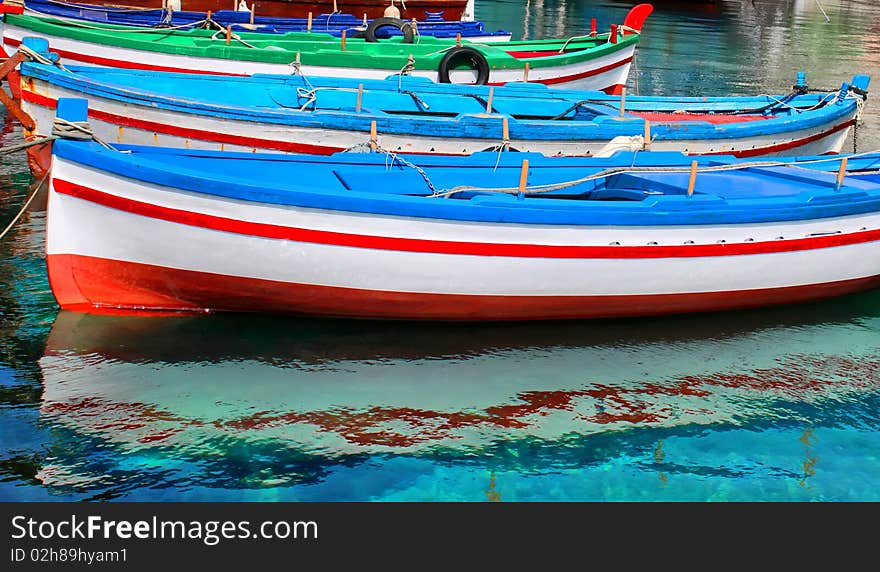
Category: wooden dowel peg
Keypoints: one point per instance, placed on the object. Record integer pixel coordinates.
(360, 98)
(365, 20)
(505, 134)
(841, 173)
(342, 44)
(489, 100)
(228, 33)
(622, 101)
(309, 23)
(592, 26)
(208, 17)
(526, 72)
(458, 39)
(523, 175)
(251, 17)
(613, 36)
(693, 179)
(374, 137)
(647, 144)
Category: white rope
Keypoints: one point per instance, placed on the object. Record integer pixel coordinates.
(799, 109)
(40, 58)
(26, 205)
(311, 94)
(565, 45)
(819, 4)
(235, 37)
(407, 69)
(34, 55)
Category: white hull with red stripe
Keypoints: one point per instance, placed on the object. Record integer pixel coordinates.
(601, 73)
(150, 247)
(120, 122)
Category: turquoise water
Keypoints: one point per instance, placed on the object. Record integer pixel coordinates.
(777, 404)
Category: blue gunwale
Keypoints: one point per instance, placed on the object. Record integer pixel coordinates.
(222, 96)
(780, 194)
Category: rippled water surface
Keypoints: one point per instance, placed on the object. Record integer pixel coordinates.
(778, 404)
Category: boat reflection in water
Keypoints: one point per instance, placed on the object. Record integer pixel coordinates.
(216, 403)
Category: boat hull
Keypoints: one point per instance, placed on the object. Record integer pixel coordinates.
(142, 124)
(606, 71)
(151, 248)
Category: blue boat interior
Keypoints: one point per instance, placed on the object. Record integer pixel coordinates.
(406, 104)
(625, 189)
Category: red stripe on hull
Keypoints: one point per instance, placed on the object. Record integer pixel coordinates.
(297, 147)
(108, 62)
(715, 119)
(580, 75)
(189, 133)
(87, 284)
(783, 146)
(263, 230)
(39, 157)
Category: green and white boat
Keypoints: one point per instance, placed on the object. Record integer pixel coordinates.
(594, 61)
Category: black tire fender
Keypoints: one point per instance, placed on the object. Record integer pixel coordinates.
(402, 25)
(477, 60)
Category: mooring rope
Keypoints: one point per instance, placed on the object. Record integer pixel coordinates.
(394, 158)
(80, 131)
(235, 37)
(24, 208)
(311, 94)
(9, 149)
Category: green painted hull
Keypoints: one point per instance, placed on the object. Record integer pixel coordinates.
(324, 49)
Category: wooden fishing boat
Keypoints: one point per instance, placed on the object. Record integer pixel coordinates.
(491, 236)
(600, 61)
(420, 9)
(241, 20)
(413, 115)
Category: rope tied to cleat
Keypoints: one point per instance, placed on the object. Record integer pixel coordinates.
(35, 56)
(391, 157)
(231, 36)
(311, 97)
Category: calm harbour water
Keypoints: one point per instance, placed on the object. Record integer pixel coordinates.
(780, 404)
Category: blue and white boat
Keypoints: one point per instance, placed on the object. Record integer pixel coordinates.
(511, 236)
(295, 113)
